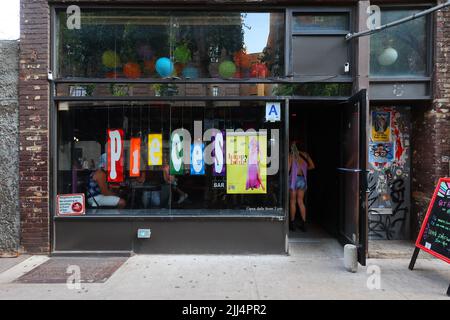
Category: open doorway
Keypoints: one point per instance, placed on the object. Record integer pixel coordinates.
(316, 128)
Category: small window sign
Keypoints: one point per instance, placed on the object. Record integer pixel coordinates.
(273, 111)
(71, 204)
(144, 233)
(77, 91)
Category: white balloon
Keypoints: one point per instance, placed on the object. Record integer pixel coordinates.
(388, 57)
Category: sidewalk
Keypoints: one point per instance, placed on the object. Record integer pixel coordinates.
(313, 270)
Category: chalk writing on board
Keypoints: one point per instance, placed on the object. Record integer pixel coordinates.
(435, 234)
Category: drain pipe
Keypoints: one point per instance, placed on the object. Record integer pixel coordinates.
(395, 23)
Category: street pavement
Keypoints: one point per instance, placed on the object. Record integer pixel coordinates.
(312, 270)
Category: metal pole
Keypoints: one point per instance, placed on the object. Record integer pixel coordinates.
(414, 258)
(395, 23)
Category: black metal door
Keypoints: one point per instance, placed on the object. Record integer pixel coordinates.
(353, 175)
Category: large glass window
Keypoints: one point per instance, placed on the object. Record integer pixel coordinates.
(173, 158)
(401, 50)
(158, 44)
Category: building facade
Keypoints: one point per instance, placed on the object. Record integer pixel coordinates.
(183, 91)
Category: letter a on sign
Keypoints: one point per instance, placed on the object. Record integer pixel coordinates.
(135, 157)
(273, 111)
(115, 155)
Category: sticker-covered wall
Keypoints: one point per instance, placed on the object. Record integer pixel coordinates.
(389, 173)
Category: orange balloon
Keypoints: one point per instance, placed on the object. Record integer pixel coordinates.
(259, 70)
(132, 70)
(242, 59)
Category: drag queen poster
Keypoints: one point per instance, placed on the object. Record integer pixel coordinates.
(246, 162)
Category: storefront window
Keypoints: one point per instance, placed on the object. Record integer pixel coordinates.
(173, 158)
(401, 50)
(160, 44)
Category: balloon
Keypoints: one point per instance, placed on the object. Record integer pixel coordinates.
(227, 69)
(182, 54)
(242, 59)
(190, 72)
(388, 57)
(259, 70)
(110, 59)
(132, 70)
(164, 67)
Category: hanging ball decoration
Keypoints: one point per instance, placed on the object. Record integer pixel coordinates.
(388, 57)
(227, 69)
(242, 59)
(110, 59)
(182, 54)
(164, 67)
(190, 73)
(145, 52)
(132, 70)
(259, 70)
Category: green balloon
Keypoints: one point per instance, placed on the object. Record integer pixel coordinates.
(227, 69)
(182, 54)
(110, 59)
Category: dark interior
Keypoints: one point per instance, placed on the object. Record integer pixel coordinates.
(318, 127)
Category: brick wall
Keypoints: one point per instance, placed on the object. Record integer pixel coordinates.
(33, 126)
(431, 126)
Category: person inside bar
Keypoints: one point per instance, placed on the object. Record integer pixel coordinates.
(173, 182)
(99, 192)
(299, 164)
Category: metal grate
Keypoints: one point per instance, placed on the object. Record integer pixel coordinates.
(56, 270)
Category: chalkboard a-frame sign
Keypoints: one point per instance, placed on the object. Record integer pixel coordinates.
(434, 236)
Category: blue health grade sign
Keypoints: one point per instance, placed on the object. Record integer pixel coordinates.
(273, 111)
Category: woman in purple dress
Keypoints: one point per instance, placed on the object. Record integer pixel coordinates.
(299, 164)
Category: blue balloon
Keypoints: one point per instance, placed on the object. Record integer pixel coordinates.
(164, 67)
(190, 72)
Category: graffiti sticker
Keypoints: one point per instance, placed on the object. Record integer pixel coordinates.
(381, 126)
(381, 152)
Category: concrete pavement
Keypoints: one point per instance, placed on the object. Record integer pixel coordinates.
(313, 270)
